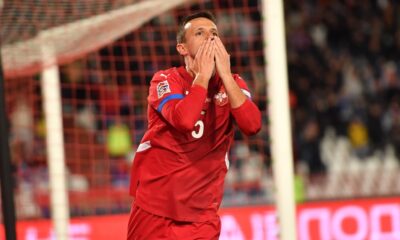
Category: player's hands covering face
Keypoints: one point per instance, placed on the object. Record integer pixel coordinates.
(222, 58)
(203, 63)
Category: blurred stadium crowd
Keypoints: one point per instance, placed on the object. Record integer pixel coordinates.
(344, 77)
(344, 74)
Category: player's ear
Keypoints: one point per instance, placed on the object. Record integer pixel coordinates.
(181, 48)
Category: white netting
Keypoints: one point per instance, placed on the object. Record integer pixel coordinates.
(69, 29)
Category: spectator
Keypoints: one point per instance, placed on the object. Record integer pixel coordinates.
(309, 147)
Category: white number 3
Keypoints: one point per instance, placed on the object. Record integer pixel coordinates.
(200, 132)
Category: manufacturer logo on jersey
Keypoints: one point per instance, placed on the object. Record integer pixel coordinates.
(221, 98)
(163, 88)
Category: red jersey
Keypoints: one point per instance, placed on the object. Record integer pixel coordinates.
(179, 168)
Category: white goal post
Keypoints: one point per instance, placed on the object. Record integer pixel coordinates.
(279, 114)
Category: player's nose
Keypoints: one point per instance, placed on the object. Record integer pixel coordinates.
(209, 35)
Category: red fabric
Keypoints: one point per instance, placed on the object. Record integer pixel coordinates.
(248, 125)
(247, 115)
(183, 114)
(181, 176)
(146, 226)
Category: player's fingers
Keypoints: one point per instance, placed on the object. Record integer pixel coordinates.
(219, 42)
(214, 48)
(207, 48)
(218, 51)
(211, 48)
(220, 45)
(200, 50)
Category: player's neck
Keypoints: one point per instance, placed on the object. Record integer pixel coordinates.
(188, 70)
(192, 74)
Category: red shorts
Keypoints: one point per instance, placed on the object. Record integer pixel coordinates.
(146, 226)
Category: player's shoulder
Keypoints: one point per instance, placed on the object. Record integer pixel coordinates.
(170, 73)
(236, 76)
(242, 84)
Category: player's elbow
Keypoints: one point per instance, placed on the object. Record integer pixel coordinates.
(185, 126)
(252, 127)
(252, 131)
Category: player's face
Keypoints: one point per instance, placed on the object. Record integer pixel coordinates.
(197, 31)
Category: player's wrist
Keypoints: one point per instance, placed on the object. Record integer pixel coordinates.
(226, 76)
(201, 80)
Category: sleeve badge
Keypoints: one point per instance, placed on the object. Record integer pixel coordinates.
(163, 88)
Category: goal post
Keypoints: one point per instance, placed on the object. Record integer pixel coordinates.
(6, 180)
(279, 113)
(7, 199)
(52, 108)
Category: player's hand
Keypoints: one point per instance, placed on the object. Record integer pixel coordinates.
(222, 59)
(202, 66)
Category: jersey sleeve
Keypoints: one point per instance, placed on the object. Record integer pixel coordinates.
(247, 115)
(242, 84)
(180, 108)
(164, 87)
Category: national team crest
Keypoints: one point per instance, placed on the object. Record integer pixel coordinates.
(221, 98)
(163, 88)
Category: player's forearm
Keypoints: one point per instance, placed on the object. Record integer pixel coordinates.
(201, 80)
(184, 113)
(248, 117)
(235, 94)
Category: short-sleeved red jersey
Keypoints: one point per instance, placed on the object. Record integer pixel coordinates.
(178, 170)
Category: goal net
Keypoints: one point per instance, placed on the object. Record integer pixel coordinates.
(107, 52)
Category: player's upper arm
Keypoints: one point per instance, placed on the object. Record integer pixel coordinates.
(168, 98)
(247, 116)
(164, 87)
